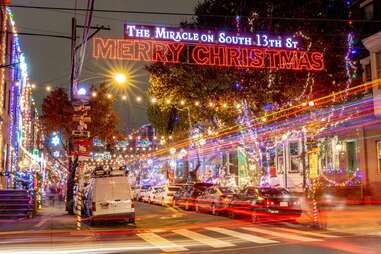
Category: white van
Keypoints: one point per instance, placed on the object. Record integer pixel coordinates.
(109, 197)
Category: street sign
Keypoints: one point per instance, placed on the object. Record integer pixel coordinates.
(80, 134)
(81, 108)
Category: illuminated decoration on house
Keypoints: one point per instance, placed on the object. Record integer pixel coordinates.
(55, 139)
(23, 126)
(207, 54)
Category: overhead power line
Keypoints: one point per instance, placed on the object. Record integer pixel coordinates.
(41, 35)
(186, 14)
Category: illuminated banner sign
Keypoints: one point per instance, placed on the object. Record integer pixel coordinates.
(160, 44)
(195, 36)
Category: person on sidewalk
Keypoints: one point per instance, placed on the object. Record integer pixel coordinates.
(53, 194)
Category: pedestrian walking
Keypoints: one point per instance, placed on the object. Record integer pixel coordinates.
(53, 194)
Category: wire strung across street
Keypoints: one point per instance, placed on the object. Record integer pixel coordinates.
(184, 14)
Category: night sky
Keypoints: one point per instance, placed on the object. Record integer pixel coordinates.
(49, 58)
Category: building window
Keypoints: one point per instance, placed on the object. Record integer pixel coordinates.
(378, 64)
(368, 72)
(295, 159)
(368, 11)
(352, 162)
(379, 156)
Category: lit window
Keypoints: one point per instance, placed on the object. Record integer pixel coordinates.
(378, 64)
(368, 11)
(379, 156)
(368, 72)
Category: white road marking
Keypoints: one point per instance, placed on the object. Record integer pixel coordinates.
(243, 236)
(160, 242)
(322, 235)
(207, 240)
(40, 223)
(282, 235)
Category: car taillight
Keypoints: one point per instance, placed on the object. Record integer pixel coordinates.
(269, 203)
(94, 206)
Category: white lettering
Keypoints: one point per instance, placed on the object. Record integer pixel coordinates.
(130, 30)
(207, 37)
(160, 33)
(236, 40)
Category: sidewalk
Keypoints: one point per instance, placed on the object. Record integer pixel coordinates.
(355, 219)
(352, 219)
(48, 218)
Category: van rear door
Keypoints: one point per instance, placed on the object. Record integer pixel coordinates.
(113, 196)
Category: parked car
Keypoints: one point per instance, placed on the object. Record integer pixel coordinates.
(265, 203)
(148, 194)
(215, 200)
(164, 195)
(109, 197)
(140, 192)
(186, 197)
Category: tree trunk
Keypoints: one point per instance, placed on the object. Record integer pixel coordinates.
(70, 186)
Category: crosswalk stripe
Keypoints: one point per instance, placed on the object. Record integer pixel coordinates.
(322, 235)
(160, 242)
(283, 235)
(207, 240)
(244, 236)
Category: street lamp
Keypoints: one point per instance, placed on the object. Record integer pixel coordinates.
(120, 78)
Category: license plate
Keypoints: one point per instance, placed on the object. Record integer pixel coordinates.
(283, 204)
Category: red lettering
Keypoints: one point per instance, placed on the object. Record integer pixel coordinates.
(204, 54)
(216, 55)
(104, 48)
(126, 49)
(256, 58)
(175, 49)
(143, 51)
(317, 62)
(158, 52)
(232, 57)
(200, 55)
(287, 60)
(304, 62)
(272, 56)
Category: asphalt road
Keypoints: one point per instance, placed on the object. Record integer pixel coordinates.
(160, 230)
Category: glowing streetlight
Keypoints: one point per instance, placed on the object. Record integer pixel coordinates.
(120, 78)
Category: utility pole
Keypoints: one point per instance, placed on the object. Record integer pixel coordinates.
(79, 139)
(73, 53)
